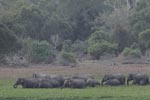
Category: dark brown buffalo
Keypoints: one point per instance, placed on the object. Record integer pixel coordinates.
(113, 82)
(138, 78)
(83, 77)
(74, 83)
(119, 77)
(27, 82)
(92, 82)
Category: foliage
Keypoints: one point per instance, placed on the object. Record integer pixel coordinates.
(99, 44)
(67, 45)
(40, 51)
(80, 47)
(145, 38)
(99, 49)
(130, 52)
(140, 20)
(122, 37)
(66, 58)
(98, 36)
(37, 51)
(142, 4)
(8, 40)
(116, 23)
(61, 23)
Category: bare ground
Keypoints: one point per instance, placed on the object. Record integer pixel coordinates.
(94, 68)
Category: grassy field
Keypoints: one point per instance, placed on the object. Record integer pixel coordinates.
(7, 92)
(8, 76)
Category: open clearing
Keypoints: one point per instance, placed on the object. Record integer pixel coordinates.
(8, 76)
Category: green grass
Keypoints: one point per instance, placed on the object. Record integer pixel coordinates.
(7, 92)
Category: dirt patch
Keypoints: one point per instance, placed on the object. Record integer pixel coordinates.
(93, 68)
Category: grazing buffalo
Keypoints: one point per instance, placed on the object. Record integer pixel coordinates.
(138, 78)
(92, 82)
(27, 82)
(45, 84)
(41, 76)
(119, 77)
(113, 82)
(59, 78)
(37, 83)
(49, 83)
(84, 77)
(74, 83)
(55, 83)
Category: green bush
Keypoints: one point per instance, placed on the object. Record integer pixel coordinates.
(99, 49)
(145, 38)
(66, 58)
(129, 52)
(37, 51)
(98, 36)
(67, 45)
(80, 47)
(100, 44)
(40, 51)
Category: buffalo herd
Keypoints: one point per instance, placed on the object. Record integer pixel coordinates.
(79, 81)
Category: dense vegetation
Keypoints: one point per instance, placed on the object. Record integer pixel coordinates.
(45, 30)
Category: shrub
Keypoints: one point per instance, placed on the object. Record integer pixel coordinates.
(66, 58)
(80, 47)
(67, 45)
(100, 44)
(98, 36)
(40, 51)
(37, 51)
(129, 52)
(144, 38)
(99, 49)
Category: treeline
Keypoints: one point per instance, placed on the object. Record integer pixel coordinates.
(45, 30)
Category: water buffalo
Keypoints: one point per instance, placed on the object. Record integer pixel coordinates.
(138, 78)
(84, 77)
(37, 75)
(59, 78)
(120, 77)
(45, 84)
(74, 83)
(37, 83)
(113, 82)
(92, 82)
(49, 83)
(27, 82)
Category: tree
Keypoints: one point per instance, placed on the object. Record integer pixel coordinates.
(8, 40)
(100, 43)
(122, 37)
(37, 51)
(79, 47)
(66, 46)
(81, 17)
(140, 19)
(144, 38)
(117, 23)
(33, 19)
